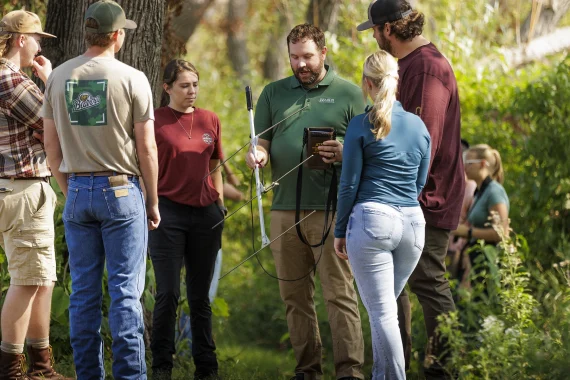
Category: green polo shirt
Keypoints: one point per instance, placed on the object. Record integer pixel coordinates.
(332, 103)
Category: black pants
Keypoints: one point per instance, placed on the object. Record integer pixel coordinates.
(184, 236)
(429, 283)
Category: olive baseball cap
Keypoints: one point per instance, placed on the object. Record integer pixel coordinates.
(383, 11)
(23, 22)
(110, 17)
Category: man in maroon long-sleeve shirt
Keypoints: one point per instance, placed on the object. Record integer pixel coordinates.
(427, 88)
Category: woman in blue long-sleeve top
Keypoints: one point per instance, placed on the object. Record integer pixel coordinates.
(380, 226)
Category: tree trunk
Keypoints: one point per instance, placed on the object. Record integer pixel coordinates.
(141, 48)
(276, 55)
(236, 37)
(324, 14)
(545, 19)
(180, 21)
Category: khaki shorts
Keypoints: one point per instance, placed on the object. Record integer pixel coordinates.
(26, 224)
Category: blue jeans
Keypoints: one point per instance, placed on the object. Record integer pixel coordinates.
(384, 244)
(106, 225)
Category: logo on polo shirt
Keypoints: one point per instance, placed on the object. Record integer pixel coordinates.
(326, 100)
(207, 138)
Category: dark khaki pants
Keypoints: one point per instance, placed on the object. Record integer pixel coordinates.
(428, 282)
(293, 259)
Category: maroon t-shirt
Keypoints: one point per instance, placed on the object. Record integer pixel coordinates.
(428, 88)
(182, 162)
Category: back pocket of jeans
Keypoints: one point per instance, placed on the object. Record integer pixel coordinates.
(419, 234)
(377, 224)
(122, 201)
(69, 208)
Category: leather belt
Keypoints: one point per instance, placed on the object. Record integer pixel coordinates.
(108, 173)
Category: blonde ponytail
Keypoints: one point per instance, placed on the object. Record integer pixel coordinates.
(493, 159)
(498, 174)
(382, 70)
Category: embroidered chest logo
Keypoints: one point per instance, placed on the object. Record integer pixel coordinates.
(84, 101)
(326, 100)
(207, 138)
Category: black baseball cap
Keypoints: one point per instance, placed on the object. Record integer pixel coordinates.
(383, 11)
(110, 17)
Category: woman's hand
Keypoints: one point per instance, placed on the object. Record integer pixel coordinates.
(340, 248)
(461, 231)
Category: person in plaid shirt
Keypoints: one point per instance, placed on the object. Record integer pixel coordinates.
(27, 202)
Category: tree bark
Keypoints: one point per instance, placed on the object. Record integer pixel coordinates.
(180, 21)
(276, 53)
(237, 38)
(324, 14)
(539, 48)
(550, 14)
(141, 49)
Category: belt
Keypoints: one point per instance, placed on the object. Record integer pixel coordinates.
(107, 173)
(45, 179)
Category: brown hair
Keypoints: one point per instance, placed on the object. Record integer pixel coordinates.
(97, 39)
(408, 27)
(171, 71)
(382, 69)
(493, 159)
(306, 32)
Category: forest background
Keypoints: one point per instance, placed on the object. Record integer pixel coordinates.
(513, 71)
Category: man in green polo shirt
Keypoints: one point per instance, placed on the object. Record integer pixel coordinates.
(324, 100)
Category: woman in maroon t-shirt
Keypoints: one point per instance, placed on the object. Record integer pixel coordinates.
(190, 203)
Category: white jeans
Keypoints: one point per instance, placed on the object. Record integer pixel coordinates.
(384, 244)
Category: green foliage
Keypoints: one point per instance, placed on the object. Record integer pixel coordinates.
(515, 324)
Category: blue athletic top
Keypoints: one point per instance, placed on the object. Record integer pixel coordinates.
(392, 170)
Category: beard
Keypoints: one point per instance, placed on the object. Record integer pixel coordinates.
(385, 44)
(314, 73)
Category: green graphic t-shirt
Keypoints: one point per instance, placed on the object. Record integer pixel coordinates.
(95, 103)
(332, 103)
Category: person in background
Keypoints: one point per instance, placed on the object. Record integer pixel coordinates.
(457, 264)
(380, 227)
(490, 204)
(189, 144)
(27, 202)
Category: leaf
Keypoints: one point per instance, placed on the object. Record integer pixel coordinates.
(148, 300)
(220, 308)
(59, 302)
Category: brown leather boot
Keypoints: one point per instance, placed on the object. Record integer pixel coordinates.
(12, 366)
(41, 361)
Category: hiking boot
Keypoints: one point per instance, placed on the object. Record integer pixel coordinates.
(12, 366)
(41, 362)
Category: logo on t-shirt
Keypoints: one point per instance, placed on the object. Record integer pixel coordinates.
(86, 102)
(326, 100)
(207, 138)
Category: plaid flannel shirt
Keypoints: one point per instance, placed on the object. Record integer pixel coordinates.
(21, 154)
